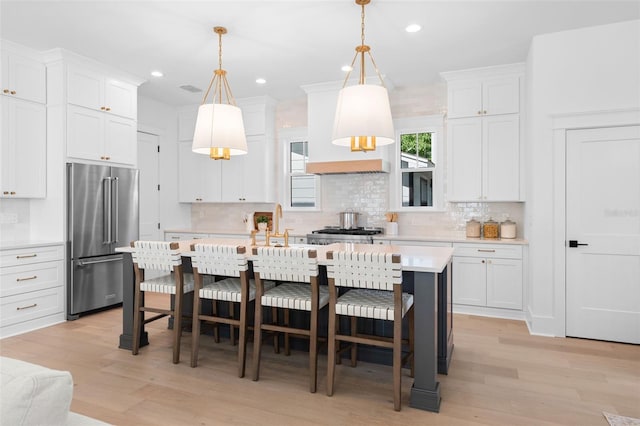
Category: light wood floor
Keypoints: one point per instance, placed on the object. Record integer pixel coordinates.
(500, 375)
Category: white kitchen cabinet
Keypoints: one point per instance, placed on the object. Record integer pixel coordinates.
(23, 77)
(484, 158)
(199, 176)
(93, 135)
(32, 290)
(490, 96)
(488, 275)
(182, 236)
(100, 92)
(250, 177)
(23, 149)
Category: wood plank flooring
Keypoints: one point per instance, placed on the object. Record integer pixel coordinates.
(500, 375)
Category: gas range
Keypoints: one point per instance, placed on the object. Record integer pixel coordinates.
(331, 234)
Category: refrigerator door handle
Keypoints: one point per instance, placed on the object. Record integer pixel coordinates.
(93, 262)
(106, 210)
(115, 197)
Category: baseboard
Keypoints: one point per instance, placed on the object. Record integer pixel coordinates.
(489, 312)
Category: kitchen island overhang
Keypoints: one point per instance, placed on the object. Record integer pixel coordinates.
(428, 267)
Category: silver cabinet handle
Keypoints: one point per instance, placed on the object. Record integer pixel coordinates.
(20, 308)
(487, 250)
(25, 256)
(27, 279)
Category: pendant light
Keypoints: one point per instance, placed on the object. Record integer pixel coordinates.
(219, 127)
(363, 114)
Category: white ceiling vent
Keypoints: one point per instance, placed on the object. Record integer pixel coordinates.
(190, 88)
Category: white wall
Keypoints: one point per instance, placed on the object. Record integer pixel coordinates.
(586, 70)
(161, 119)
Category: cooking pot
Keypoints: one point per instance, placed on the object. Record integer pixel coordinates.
(348, 220)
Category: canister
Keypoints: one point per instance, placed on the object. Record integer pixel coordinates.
(508, 229)
(490, 229)
(473, 229)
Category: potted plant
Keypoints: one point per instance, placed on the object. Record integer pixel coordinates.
(263, 222)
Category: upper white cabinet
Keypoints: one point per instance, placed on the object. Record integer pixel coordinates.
(250, 177)
(23, 149)
(23, 123)
(199, 176)
(487, 97)
(98, 108)
(100, 92)
(484, 134)
(23, 76)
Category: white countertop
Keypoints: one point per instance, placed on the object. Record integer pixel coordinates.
(421, 238)
(414, 258)
(22, 244)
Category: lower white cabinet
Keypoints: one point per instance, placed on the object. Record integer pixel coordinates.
(32, 291)
(181, 236)
(488, 275)
(23, 149)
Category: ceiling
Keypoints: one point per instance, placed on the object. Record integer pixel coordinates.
(296, 42)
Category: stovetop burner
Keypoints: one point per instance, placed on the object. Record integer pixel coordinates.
(355, 231)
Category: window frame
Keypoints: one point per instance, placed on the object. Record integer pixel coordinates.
(433, 124)
(287, 136)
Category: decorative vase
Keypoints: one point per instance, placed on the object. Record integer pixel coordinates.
(262, 226)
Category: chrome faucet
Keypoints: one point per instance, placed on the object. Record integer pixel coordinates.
(277, 217)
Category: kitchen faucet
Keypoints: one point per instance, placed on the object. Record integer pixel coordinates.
(277, 217)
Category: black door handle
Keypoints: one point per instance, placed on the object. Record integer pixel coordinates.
(575, 243)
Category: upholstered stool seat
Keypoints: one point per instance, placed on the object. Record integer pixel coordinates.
(166, 284)
(376, 304)
(294, 296)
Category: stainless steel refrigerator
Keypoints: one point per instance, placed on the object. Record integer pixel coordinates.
(102, 214)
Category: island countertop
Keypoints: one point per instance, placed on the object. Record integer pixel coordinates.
(414, 258)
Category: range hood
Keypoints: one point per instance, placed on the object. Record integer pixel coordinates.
(351, 166)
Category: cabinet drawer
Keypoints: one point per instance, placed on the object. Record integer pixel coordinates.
(179, 236)
(31, 255)
(27, 278)
(488, 251)
(29, 306)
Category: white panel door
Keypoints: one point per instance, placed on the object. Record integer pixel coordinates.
(504, 283)
(148, 158)
(28, 133)
(26, 78)
(85, 88)
(465, 159)
(470, 282)
(603, 220)
(120, 140)
(121, 98)
(233, 178)
(85, 133)
(501, 158)
(501, 96)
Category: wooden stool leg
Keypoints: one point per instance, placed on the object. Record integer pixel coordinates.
(354, 346)
(313, 349)
(397, 363)
(257, 339)
(195, 325)
(276, 335)
(331, 345)
(216, 326)
(177, 327)
(287, 349)
(337, 343)
(232, 328)
(242, 339)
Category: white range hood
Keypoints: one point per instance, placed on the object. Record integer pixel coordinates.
(326, 158)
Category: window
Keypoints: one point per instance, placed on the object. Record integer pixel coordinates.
(301, 188)
(419, 163)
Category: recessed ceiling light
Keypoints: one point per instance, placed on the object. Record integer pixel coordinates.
(261, 80)
(346, 68)
(413, 28)
(157, 73)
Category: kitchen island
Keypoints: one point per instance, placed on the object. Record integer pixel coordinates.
(427, 267)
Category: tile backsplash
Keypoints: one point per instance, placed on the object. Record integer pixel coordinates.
(363, 193)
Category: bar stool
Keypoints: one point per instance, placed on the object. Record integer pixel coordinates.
(160, 256)
(299, 268)
(375, 282)
(222, 261)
